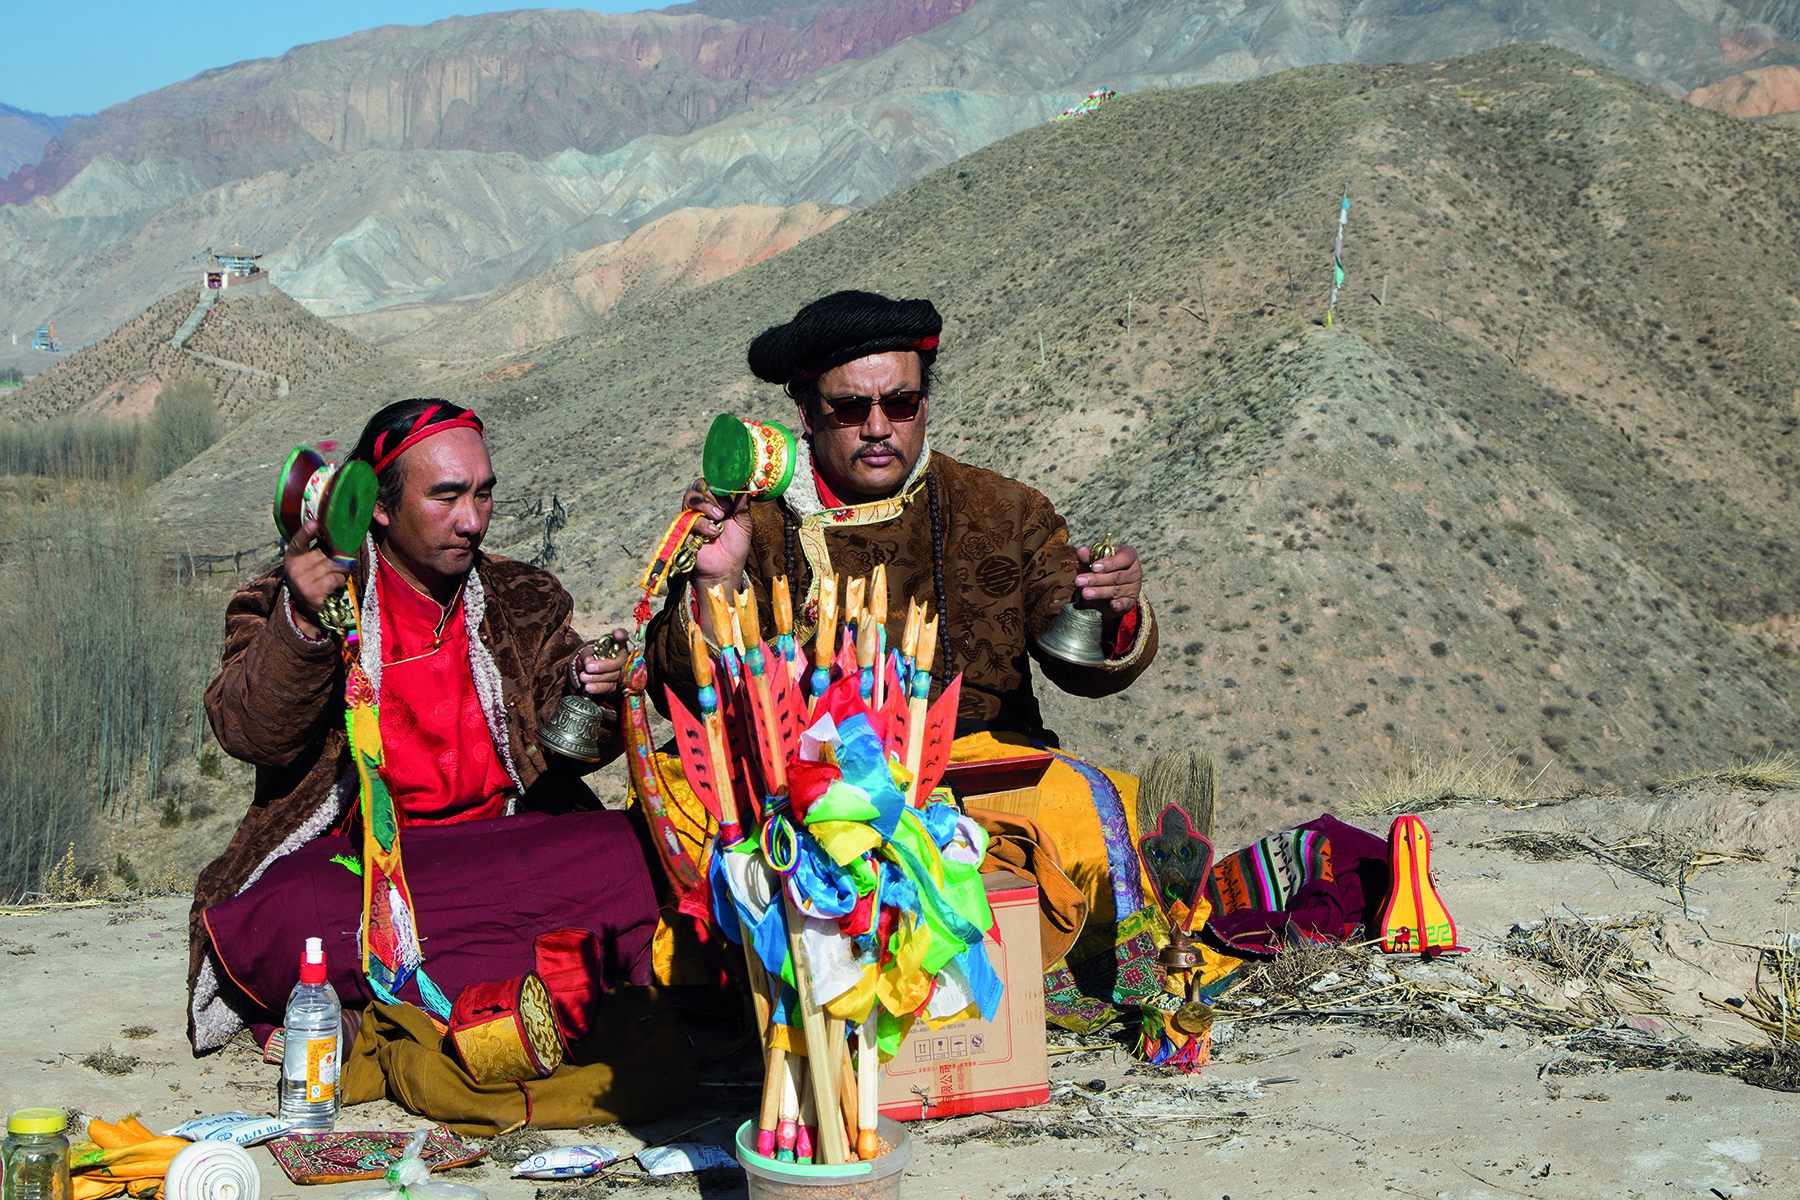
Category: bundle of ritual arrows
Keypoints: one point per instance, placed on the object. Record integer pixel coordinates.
(851, 881)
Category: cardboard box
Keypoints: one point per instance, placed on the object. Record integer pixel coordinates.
(976, 1065)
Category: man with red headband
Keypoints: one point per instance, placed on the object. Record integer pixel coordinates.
(989, 554)
(468, 654)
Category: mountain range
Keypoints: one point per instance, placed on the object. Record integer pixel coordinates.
(23, 136)
(425, 165)
(1525, 498)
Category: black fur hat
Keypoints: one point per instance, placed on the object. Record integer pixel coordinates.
(839, 328)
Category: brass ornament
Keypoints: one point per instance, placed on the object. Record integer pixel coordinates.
(1179, 954)
(338, 613)
(1193, 1018)
(1075, 636)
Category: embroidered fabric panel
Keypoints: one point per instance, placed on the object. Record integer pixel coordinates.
(363, 1154)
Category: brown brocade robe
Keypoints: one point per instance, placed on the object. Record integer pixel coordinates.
(278, 702)
(1008, 569)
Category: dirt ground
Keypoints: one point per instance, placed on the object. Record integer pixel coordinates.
(1455, 1079)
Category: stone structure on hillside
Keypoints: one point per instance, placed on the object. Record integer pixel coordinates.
(234, 267)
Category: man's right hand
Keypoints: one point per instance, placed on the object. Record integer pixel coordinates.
(312, 578)
(724, 533)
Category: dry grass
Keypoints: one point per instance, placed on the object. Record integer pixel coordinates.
(1773, 1008)
(1594, 964)
(1355, 984)
(1431, 780)
(1769, 773)
(70, 882)
(1665, 859)
(108, 1063)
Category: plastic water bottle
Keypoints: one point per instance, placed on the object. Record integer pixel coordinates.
(313, 1050)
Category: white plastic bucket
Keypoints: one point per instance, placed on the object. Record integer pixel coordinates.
(878, 1179)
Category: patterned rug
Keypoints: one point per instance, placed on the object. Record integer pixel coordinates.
(344, 1157)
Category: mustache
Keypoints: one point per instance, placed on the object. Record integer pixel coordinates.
(885, 449)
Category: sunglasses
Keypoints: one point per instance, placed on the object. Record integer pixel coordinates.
(848, 412)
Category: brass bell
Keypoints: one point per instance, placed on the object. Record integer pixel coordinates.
(576, 729)
(1075, 635)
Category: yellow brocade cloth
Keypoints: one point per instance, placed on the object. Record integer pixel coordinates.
(1066, 811)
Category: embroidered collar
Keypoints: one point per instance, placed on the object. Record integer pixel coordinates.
(803, 500)
(803, 493)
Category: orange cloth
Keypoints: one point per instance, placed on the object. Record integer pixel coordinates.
(1066, 812)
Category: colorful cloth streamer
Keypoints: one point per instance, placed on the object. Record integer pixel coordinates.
(390, 940)
(893, 913)
(1337, 257)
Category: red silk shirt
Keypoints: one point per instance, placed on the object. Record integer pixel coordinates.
(438, 755)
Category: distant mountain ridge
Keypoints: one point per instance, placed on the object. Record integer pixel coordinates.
(430, 165)
(23, 136)
(532, 82)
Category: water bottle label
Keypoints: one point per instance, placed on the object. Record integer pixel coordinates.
(314, 1061)
(321, 1069)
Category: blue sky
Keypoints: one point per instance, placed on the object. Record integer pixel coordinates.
(78, 56)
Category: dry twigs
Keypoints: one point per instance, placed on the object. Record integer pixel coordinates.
(1773, 1009)
(1606, 984)
(1665, 859)
(1603, 977)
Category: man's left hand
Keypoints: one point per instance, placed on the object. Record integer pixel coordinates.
(1113, 584)
(602, 676)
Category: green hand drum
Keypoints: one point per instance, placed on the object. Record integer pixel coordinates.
(340, 499)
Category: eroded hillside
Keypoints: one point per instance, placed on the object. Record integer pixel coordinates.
(120, 375)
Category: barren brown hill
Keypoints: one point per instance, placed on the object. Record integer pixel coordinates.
(686, 249)
(120, 375)
(1529, 499)
(1761, 92)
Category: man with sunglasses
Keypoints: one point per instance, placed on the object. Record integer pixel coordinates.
(988, 554)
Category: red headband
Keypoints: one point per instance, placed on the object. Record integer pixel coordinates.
(924, 343)
(421, 429)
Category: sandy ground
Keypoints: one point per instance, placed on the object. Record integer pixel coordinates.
(1364, 1110)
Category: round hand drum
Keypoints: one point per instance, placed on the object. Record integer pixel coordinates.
(753, 458)
(340, 499)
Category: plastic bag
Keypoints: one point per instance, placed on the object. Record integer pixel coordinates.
(410, 1179)
(565, 1162)
(238, 1127)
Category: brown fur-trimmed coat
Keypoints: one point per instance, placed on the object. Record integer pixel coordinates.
(1008, 570)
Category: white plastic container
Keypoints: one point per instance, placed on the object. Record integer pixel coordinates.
(878, 1179)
